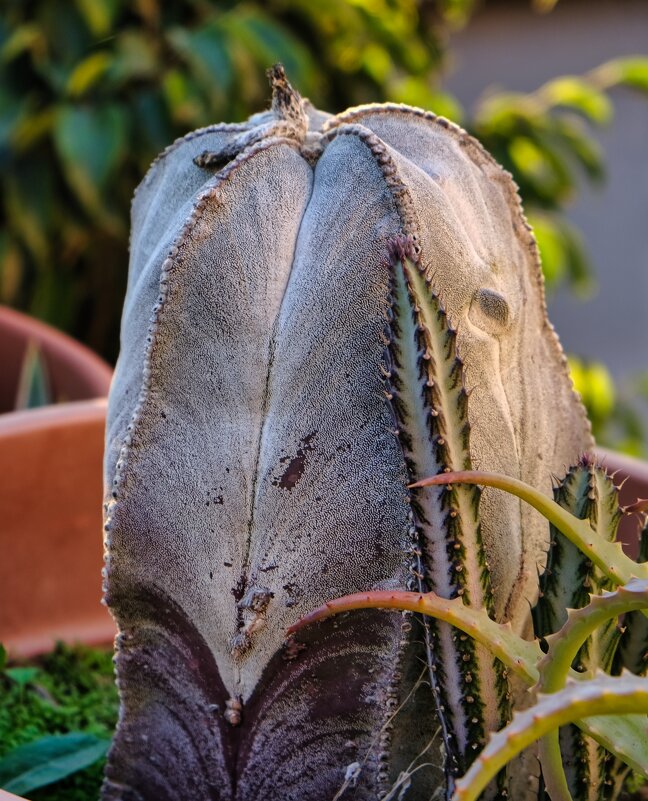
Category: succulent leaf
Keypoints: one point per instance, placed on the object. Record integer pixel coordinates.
(565, 644)
(623, 736)
(608, 556)
(590, 769)
(600, 696)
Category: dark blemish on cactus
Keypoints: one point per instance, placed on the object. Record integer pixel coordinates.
(215, 159)
(296, 465)
(238, 591)
(256, 599)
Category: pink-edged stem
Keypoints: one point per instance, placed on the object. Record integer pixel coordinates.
(608, 556)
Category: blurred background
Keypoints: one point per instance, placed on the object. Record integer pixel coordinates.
(91, 90)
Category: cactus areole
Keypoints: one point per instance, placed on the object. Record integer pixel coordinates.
(322, 310)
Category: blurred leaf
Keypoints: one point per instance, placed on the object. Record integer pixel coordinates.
(551, 249)
(88, 72)
(182, 97)
(634, 72)
(33, 392)
(562, 252)
(503, 114)
(575, 93)
(530, 159)
(629, 71)
(3, 657)
(49, 760)
(457, 12)
(152, 122)
(134, 57)
(541, 166)
(414, 91)
(578, 270)
(32, 127)
(205, 50)
(98, 14)
(68, 37)
(268, 42)
(377, 62)
(11, 268)
(29, 205)
(23, 676)
(13, 109)
(595, 385)
(91, 143)
(23, 38)
(582, 148)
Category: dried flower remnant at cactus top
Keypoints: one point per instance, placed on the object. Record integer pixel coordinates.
(311, 299)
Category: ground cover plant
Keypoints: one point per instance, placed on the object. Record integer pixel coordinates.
(57, 715)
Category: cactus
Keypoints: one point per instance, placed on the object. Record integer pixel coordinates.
(321, 311)
(577, 651)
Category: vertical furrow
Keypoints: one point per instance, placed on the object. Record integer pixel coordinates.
(569, 578)
(430, 404)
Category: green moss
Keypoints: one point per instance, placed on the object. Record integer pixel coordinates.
(73, 690)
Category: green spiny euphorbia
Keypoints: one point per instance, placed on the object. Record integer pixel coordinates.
(603, 717)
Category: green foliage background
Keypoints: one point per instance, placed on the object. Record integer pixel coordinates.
(91, 90)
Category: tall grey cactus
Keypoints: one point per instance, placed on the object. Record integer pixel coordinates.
(320, 310)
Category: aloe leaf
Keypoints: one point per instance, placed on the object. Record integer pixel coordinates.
(589, 494)
(565, 644)
(625, 737)
(517, 654)
(48, 760)
(590, 767)
(553, 772)
(600, 696)
(33, 383)
(608, 556)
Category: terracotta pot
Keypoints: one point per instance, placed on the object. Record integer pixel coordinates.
(74, 371)
(4, 796)
(50, 495)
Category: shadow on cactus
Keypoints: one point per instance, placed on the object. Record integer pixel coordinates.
(585, 673)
